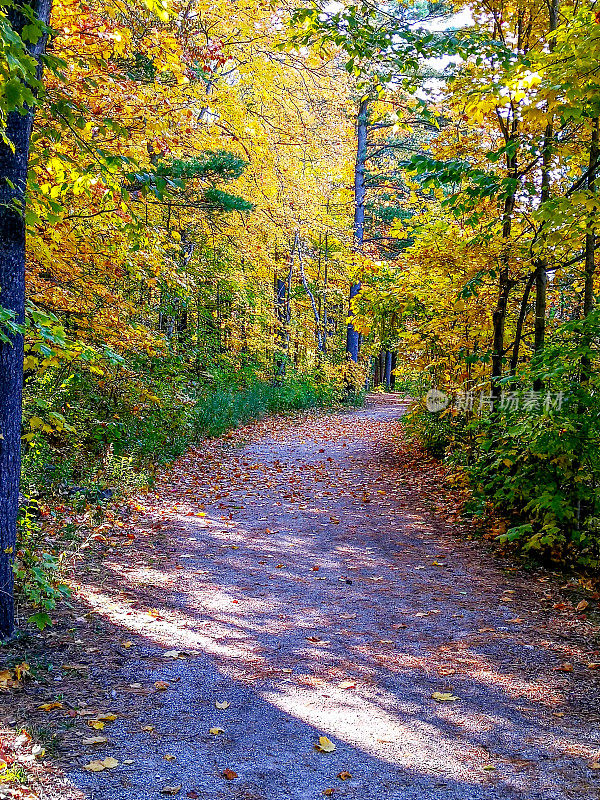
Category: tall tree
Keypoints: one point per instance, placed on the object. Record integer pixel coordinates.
(352, 336)
(14, 159)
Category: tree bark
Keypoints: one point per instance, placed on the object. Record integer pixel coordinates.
(388, 370)
(590, 236)
(13, 183)
(541, 265)
(352, 336)
(504, 285)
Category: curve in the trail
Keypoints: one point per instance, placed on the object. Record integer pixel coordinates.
(311, 589)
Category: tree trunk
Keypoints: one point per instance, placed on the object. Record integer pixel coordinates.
(504, 286)
(388, 370)
(13, 181)
(352, 337)
(541, 271)
(590, 236)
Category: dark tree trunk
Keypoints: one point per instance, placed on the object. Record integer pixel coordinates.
(541, 267)
(388, 370)
(504, 285)
(394, 365)
(352, 336)
(13, 181)
(590, 236)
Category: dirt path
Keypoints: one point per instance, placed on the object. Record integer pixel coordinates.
(310, 590)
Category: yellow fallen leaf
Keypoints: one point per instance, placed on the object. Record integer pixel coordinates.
(347, 685)
(110, 763)
(171, 790)
(95, 766)
(216, 731)
(50, 706)
(566, 667)
(148, 728)
(489, 767)
(328, 792)
(582, 605)
(169, 757)
(96, 724)
(443, 697)
(126, 645)
(222, 705)
(22, 671)
(344, 776)
(95, 740)
(6, 678)
(106, 717)
(325, 745)
(595, 765)
(162, 685)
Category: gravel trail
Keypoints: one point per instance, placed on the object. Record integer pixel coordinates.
(305, 584)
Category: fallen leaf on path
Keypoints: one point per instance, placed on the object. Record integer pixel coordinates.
(50, 706)
(95, 740)
(566, 667)
(175, 654)
(582, 605)
(170, 789)
(344, 776)
(193, 795)
(96, 724)
(229, 774)
(328, 792)
(325, 745)
(169, 757)
(595, 765)
(95, 766)
(148, 728)
(347, 685)
(443, 697)
(106, 717)
(161, 685)
(216, 731)
(99, 765)
(222, 704)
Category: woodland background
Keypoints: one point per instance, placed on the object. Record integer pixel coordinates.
(209, 184)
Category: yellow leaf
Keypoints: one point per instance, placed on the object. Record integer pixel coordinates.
(170, 790)
(222, 705)
(443, 697)
(148, 728)
(106, 717)
(325, 745)
(95, 766)
(169, 757)
(110, 763)
(161, 685)
(50, 706)
(96, 724)
(216, 731)
(95, 740)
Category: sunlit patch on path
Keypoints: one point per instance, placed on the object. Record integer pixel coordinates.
(296, 577)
